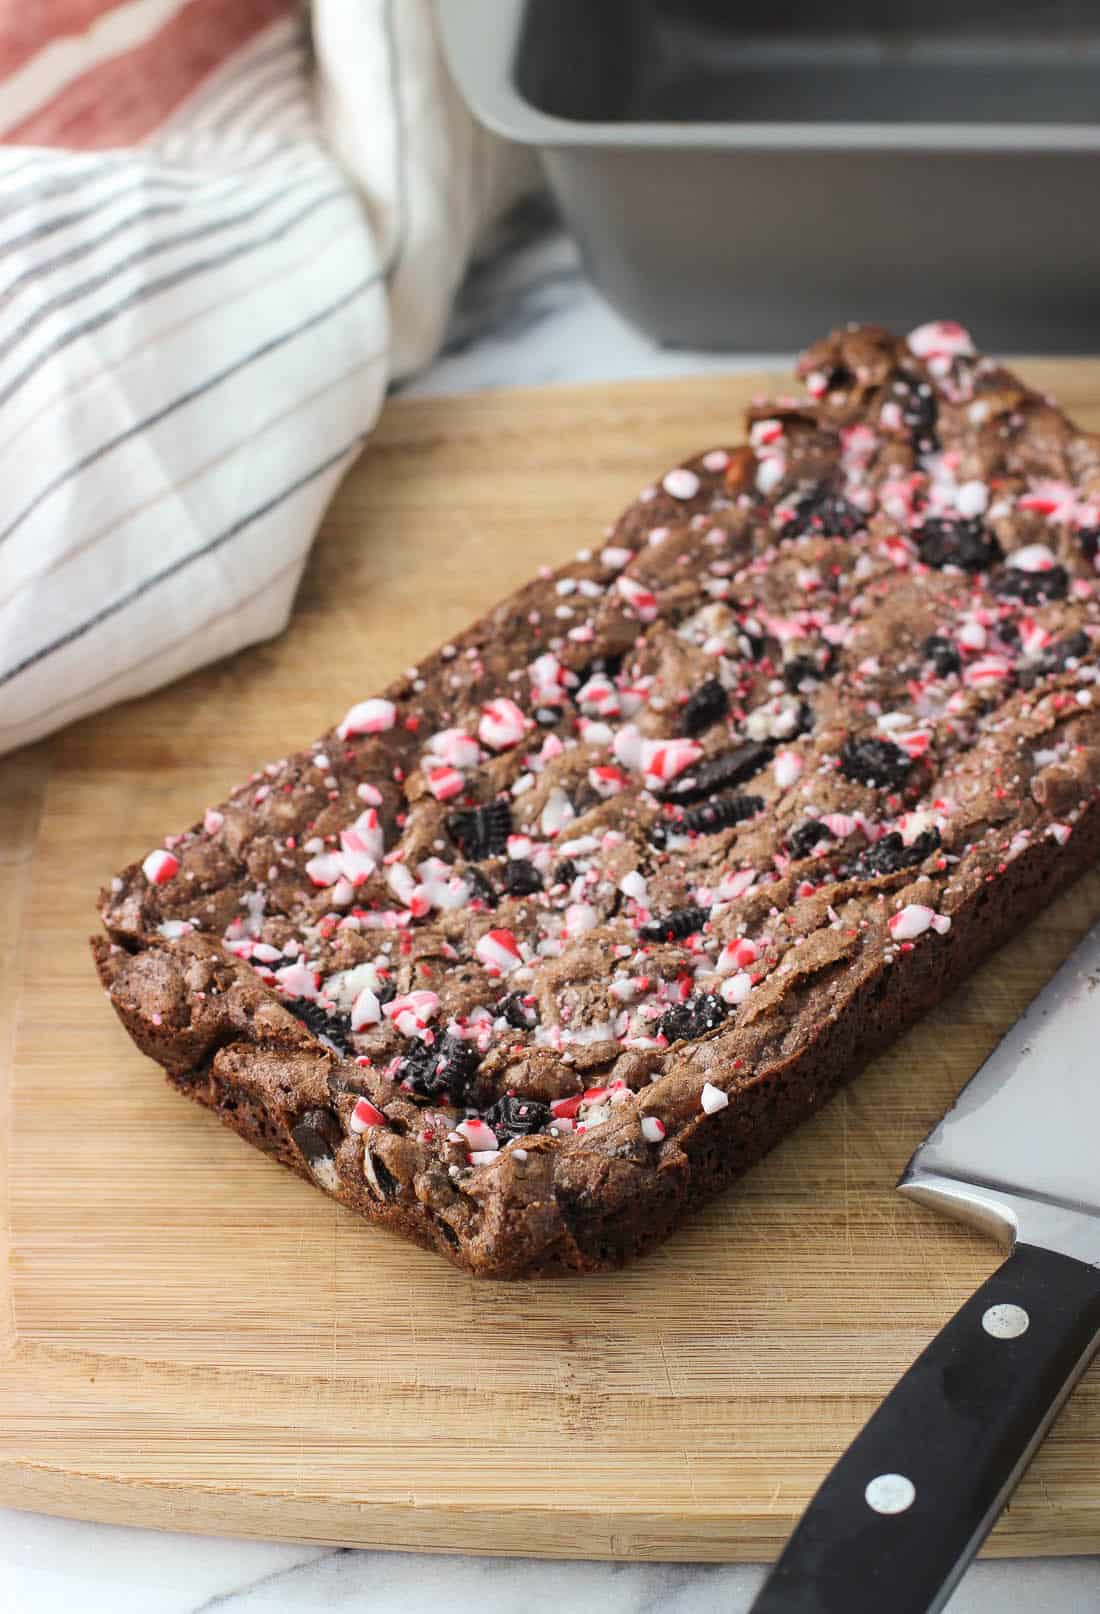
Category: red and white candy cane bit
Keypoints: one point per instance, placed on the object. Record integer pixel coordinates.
(653, 1129)
(594, 1095)
(455, 746)
(912, 921)
(564, 1109)
(368, 717)
(325, 869)
(420, 1006)
(607, 781)
(212, 820)
(366, 1010)
(642, 600)
(940, 339)
(662, 760)
(298, 982)
(712, 1099)
(788, 768)
(160, 867)
(681, 483)
(477, 1134)
(369, 793)
(502, 724)
(445, 783)
(365, 1115)
(499, 950)
(987, 670)
(736, 955)
(764, 432)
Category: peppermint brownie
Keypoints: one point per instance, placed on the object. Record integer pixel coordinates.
(543, 946)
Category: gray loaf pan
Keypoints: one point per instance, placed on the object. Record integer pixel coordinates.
(748, 174)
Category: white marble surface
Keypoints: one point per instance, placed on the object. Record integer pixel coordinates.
(526, 316)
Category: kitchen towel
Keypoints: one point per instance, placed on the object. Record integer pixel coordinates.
(225, 226)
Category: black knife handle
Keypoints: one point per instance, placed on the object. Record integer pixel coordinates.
(945, 1449)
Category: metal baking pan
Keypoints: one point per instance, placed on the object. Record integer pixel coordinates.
(746, 174)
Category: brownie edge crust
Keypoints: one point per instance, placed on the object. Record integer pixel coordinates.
(548, 943)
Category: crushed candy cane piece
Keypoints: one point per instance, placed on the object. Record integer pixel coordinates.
(712, 1098)
(368, 717)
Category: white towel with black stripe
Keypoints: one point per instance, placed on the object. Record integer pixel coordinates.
(200, 309)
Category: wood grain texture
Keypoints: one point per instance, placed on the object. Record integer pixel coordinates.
(192, 1338)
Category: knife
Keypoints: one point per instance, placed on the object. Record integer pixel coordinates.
(909, 1503)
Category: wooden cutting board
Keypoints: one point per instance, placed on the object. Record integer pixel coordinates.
(192, 1338)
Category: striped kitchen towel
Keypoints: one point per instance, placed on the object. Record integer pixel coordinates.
(224, 226)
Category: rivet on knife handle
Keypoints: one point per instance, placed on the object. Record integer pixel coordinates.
(907, 1506)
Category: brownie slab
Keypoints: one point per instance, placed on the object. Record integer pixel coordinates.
(548, 942)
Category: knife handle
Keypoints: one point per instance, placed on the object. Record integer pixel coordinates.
(909, 1503)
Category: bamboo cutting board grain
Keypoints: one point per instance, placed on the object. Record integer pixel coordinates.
(192, 1338)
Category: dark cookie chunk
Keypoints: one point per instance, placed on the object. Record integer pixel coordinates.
(707, 706)
(879, 763)
(708, 818)
(481, 888)
(447, 1065)
(720, 772)
(511, 1117)
(943, 655)
(960, 541)
(564, 873)
(481, 832)
(891, 854)
(700, 1014)
(800, 670)
(1089, 539)
(329, 1025)
(1032, 588)
(676, 925)
(519, 1010)
(1055, 658)
(318, 1135)
(823, 513)
(919, 411)
(521, 878)
(801, 841)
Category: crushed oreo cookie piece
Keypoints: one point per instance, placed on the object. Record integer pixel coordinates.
(1089, 539)
(707, 818)
(702, 1013)
(318, 1135)
(720, 772)
(1032, 588)
(919, 411)
(960, 541)
(676, 925)
(481, 888)
(943, 655)
(707, 706)
(1055, 658)
(481, 832)
(890, 854)
(801, 841)
(518, 1011)
(804, 669)
(328, 1025)
(521, 878)
(564, 873)
(879, 763)
(447, 1065)
(511, 1117)
(825, 513)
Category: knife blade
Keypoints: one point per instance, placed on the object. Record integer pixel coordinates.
(904, 1510)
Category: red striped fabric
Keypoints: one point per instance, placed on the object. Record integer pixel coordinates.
(123, 99)
(26, 26)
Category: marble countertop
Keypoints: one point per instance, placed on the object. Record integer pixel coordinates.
(526, 315)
